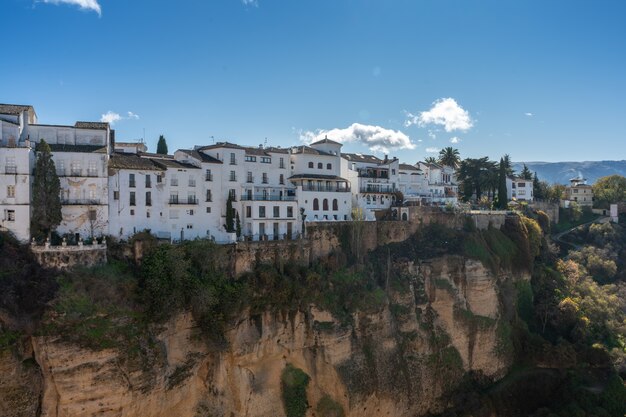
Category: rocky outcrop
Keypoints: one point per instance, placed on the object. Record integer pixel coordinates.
(443, 319)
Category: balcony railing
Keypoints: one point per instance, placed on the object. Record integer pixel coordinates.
(267, 197)
(183, 201)
(250, 179)
(10, 169)
(378, 189)
(326, 188)
(208, 177)
(80, 202)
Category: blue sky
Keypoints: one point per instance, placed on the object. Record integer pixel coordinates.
(540, 80)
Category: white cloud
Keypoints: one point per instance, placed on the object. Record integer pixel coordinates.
(111, 117)
(432, 150)
(376, 138)
(528, 114)
(455, 140)
(445, 112)
(254, 3)
(83, 4)
(431, 134)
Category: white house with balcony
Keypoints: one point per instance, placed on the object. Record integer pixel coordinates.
(440, 185)
(322, 193)
(374, 182)
(519, 189)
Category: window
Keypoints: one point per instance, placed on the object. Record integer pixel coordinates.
(248, 211)
(264, 181)
(132, 212)
(75, 168)
(147, 214)
(209, 196)
(232, 194)
(174, 181)
(316, 204)
(575, 191)
(11, 191)
(393, 172)
(250, 158)
(191, 198)
(325, 204)
(261, 211)
(132, 198)
(192, 181)
(249, 177)
(276, 211)
(335, 204)
(233, 176)
(281, 179)
(310, 164)
(233, 160)
(148, 181)
(521, 185)
(116, 195)
(320, 165)
(91, 214)
(266, 160)
(131, 180)
(208, 176)
(190, 212)
(159, 178)
(189, 226)
(174, 198)
(208, 209)
(329, 166)
(148, 198)
(60, 167)
(281, 163)
(289, 211)
(10, 215)
(92, 170)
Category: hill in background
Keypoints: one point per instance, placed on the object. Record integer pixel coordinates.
(561, 172)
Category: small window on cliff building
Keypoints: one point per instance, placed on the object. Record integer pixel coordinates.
(92, 215)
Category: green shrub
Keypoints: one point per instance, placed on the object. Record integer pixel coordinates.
(294, 382)
(327, 407)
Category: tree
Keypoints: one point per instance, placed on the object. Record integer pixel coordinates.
(230, 215)
(430, 160)
(526, 174)
(162, 146)
(46, 200)
(503, 199)
(237, 225)
(508, 165)
(475, 176)
(609, 190)
(449, 157)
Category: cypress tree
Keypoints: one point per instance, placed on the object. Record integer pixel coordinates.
(502, 194)
(46, 199)
(162, 146)
(229, 226)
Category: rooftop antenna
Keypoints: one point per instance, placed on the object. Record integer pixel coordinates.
(143, 139)
(265, 143)
(212, 138)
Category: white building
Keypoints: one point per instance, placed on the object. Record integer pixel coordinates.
(440, 186)
(412, 183)
(374, 182)
(322, 194)
(16, 162)
(519, 189)
(578, 191)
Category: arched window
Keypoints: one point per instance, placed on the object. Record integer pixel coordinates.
(320, 165)
(335, 205)
(316, 204)
(310, 164)
(329, 166)
(325, 204)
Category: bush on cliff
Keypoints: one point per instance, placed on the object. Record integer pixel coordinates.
(293, 383)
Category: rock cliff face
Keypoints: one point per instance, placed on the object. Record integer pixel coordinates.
(445, 320)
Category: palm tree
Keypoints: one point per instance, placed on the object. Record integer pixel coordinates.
(430, 160)
(449, 157)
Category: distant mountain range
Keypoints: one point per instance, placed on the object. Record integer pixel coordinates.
(561, 172)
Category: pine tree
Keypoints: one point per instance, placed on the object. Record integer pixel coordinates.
(502, 192)
(526, 174)
(46, 199)
(162, 146)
